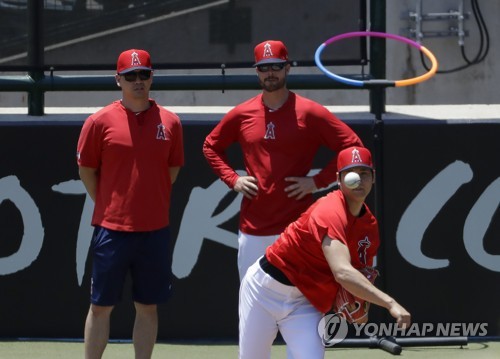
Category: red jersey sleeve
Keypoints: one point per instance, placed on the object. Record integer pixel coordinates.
(325, 222)
(89, 147)
(176, 156)
(335, 135)
(216, 143)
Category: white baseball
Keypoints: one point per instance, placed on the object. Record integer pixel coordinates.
(352, 180)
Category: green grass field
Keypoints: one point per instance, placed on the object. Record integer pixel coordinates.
(70, 350)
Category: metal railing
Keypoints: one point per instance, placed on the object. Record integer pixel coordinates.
(37, 81)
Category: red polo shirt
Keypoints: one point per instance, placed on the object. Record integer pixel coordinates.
(133, 154)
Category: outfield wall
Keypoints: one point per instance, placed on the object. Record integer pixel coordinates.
(440, 257)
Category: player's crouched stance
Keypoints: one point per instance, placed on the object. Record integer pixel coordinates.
(299, 277)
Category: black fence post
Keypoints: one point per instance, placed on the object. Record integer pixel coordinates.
(35, 56)
(377, 107)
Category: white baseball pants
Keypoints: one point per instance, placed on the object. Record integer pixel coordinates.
(251, 248)
(267, 306)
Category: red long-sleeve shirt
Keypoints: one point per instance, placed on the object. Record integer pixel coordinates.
(276, 144)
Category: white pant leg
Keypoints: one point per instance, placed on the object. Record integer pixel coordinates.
(251, 248)
(257, 326)
(300, 332)
(265, 306)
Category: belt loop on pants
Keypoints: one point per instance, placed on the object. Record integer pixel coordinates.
(274, 272)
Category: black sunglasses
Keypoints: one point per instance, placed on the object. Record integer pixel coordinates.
(132, 76)
(273, 67)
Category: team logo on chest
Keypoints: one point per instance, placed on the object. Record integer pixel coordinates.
(363, 246)
(160, 134)
(270, 131)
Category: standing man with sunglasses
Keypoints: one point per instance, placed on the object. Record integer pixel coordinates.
(280, 133)
(129, 154)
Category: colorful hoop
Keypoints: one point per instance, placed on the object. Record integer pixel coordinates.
(388, 83)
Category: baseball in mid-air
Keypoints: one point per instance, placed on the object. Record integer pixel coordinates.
(352, 180)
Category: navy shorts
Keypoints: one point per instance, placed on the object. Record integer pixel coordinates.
(145, 255)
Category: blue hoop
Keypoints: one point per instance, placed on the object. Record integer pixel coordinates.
(358, 83)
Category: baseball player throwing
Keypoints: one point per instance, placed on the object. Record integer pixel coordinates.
(297, 280)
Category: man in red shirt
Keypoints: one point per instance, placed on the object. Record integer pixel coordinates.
(279, 133)
(296, 281)
(129, 154)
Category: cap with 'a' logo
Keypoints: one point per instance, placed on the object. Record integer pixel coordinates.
(354, 157)
(132, 60)
(270, 52)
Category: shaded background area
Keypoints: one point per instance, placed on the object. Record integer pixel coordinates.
(182, 34)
